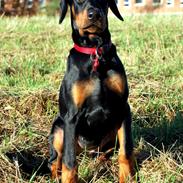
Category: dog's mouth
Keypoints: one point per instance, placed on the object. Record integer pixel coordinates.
(92, 29)
(93, 24)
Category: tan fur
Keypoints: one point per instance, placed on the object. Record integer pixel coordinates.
(81, 90)
(125, 164)
(82, 21)
(58, 146)
(69, 176)
(116, 83)
(58, 141)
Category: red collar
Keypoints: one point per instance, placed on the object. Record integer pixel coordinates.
(86, 50)
(94, 52)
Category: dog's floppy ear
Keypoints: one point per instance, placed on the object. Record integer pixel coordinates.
(114, 9)
(63, 10)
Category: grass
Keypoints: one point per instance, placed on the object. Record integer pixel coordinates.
(33, 54)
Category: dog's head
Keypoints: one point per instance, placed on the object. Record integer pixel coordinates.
(89, 17)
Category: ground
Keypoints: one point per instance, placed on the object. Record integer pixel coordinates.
(33, 54)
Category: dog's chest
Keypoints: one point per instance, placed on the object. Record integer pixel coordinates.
(99, 98)
(94, 90)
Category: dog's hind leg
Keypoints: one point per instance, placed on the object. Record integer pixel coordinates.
(56, 148)
(126, 159)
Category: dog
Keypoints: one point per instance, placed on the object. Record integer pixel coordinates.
(93, 106)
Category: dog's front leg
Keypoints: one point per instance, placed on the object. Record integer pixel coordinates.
(69, 167)
(126, 159)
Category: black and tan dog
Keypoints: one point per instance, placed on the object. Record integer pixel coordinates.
(93, 96)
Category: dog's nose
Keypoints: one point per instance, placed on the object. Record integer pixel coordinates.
(93, 13)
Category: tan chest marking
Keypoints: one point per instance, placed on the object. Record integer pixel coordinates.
(116, 83)
(81, 90)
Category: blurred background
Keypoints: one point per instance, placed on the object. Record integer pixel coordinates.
(28, 7)
(51, 7)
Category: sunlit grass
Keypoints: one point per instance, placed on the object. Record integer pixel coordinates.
(33, 56)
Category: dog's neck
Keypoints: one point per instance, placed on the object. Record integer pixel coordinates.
(95, 47)
(86, 41)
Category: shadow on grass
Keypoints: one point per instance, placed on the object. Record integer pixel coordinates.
(29, 163)
(167, 135)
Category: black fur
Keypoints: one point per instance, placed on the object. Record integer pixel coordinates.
(104, 110)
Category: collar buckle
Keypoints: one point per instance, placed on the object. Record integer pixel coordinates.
(95, 53)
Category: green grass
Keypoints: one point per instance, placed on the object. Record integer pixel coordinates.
(33, 54)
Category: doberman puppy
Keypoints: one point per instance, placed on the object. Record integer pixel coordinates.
(93, 95)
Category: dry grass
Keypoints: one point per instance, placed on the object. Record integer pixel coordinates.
(32, 63)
